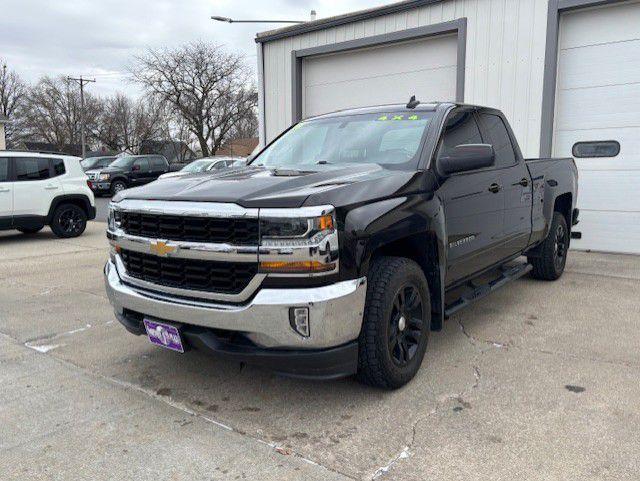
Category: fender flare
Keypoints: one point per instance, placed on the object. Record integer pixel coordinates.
(78, 199)
(386, 222)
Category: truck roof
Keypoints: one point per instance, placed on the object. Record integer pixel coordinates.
(374, 109)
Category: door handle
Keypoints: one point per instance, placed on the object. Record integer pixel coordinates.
(5, 189)
(495, 188)
(51, 187)
(523, 182)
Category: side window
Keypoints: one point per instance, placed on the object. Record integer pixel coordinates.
(58, 167)
(460, 128)
(143, 164)
(499, 137)
(157, 163)
(32, 168)
(4, 169)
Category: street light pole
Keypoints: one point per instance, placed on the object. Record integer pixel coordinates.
(231, 20)
(82, 81)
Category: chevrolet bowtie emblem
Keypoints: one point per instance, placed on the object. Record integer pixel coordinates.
(162, 249)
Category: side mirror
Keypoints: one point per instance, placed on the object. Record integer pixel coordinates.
(467, 157)
(135, 168)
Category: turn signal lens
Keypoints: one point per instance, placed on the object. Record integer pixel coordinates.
(325, 222)
(299, 266)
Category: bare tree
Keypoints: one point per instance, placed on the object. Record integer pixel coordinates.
(125, 125)
(13, 93)
(245, 128)
(52, 112)
(207, 87)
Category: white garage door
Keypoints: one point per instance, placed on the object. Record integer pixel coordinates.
(598, 99)
(380, 75)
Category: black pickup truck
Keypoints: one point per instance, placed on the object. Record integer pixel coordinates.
(343, 243)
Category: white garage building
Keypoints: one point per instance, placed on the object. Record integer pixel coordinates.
(565, 72)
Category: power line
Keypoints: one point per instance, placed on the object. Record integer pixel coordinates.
(81, 81)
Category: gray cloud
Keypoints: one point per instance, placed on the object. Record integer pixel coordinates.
(100, 37)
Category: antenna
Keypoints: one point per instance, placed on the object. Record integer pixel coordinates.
(413, 103)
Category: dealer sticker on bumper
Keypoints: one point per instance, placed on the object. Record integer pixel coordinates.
(164, 335)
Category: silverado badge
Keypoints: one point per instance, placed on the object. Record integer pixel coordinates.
(161, 248)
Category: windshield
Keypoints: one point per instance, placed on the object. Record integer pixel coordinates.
(123, 162)
(197, 166)
(390, 139)
(88, 163)
(96, 162)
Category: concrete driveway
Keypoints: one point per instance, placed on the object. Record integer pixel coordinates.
(539, 381)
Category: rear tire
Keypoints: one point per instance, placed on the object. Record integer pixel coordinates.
(30, 230)
(68, 221)
(549, 265)
(396, 323)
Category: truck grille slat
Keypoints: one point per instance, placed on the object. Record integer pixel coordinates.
(224, 277)
(236, 231)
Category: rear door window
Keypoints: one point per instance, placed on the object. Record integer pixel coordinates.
(58, 167)
(32, 168)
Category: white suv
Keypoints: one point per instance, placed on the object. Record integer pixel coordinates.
(38, 189)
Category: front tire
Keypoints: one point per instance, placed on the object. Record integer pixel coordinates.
(68, 221)
(118, 186)
(549, 265)
(396, 323)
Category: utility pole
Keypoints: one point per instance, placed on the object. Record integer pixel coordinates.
(81, 81)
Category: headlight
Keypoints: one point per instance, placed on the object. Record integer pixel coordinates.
(104, 176)
(302, 241)
(114, 220)
(294, 231)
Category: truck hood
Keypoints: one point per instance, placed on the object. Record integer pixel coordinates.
(261, 187)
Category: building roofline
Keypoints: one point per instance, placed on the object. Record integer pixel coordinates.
(350, 17)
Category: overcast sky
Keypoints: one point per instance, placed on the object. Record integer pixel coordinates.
(97, 38)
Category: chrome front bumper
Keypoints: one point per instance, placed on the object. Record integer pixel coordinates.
(335, 312)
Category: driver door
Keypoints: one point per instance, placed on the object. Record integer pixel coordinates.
(473, 204)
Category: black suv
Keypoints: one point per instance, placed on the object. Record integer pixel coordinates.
(129, 171)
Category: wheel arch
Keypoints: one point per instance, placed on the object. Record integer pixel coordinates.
(563, 204)
(424, 249)
(80, 200)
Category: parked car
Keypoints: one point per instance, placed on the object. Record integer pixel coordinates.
(128, 171)
(95, 163)
(38, 189)
(202, 165)
(344, 242)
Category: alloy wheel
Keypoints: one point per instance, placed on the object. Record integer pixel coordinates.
(560, 247)
(70, 221)
(406, 325)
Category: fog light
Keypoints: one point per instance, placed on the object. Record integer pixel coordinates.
(299, 320)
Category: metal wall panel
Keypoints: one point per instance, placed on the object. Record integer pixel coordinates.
(504, 58)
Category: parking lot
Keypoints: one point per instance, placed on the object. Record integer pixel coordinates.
(539, 381)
